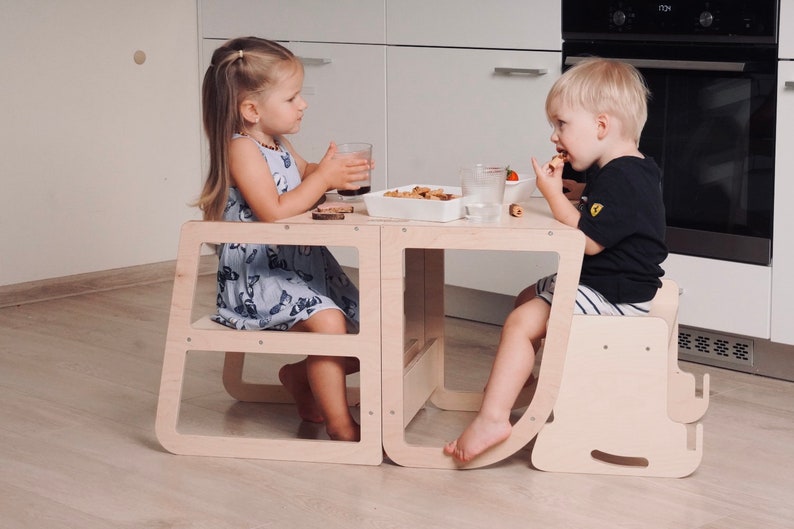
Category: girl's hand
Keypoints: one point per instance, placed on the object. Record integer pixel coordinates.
(342, 172)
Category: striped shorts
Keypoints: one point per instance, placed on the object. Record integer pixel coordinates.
(589, 301)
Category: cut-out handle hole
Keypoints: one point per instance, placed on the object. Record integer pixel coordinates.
(624, 461)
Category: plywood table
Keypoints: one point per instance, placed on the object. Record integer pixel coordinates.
(412, 312)
(401, 342)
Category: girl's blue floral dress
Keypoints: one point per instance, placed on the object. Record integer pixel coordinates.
(275, 286)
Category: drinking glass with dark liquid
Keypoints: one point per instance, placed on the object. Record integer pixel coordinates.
(356, 150)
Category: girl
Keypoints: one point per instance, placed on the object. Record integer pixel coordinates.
(251, 98)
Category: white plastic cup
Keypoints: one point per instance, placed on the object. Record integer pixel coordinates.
(483, 189)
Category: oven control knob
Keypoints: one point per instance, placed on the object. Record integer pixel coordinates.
(618, 18)
(706, 19)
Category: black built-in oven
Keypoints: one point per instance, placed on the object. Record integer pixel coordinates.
(712, 71)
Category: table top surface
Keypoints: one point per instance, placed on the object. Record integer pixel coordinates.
(537, 215)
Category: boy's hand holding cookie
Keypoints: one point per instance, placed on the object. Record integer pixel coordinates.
(549, 176)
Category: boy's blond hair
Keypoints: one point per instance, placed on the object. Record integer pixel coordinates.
(604, 86)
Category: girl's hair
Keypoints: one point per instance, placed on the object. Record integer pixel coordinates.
(602, 85)
(240, 68)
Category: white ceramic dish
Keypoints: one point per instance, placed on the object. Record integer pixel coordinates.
(415, 208)
(520, 190)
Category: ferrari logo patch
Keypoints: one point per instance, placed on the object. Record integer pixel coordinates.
(595, 209)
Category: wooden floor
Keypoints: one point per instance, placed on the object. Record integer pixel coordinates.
(78, 383)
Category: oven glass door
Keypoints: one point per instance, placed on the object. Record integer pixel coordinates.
(711, 127)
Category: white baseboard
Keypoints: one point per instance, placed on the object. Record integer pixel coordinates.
(61, 287)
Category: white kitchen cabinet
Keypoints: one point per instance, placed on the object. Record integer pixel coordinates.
(100, 135)
(351, 21)
(448, 107)
(721, 295)
(786, 50)
(782, 327)
(507, 24)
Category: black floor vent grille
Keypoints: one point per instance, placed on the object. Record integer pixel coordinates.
(715, 346)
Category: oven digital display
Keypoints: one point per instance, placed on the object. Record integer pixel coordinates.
(665, 8)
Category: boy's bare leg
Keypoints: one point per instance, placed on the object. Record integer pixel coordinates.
(515, 358)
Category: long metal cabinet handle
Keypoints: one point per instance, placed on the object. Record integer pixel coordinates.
(520, 71)
(314, 61)
(789, 84)
(658, 64)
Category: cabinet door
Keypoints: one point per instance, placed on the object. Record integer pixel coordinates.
(344, 85)
(786, 50)
(783, 238)
(360, 21)
(446, 108)
(100, 144)
(721, 295)
(506, 24)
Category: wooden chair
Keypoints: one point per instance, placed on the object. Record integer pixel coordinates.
(624, 406)
(188, 332)
(683, 404)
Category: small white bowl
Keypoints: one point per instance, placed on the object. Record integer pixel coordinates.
(520, 190)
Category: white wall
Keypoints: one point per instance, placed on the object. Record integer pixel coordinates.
(99, 155)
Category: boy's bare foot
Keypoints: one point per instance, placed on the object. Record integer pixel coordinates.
(293, 378)
(478, 437)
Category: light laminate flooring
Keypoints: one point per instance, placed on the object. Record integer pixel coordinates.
(79, 378)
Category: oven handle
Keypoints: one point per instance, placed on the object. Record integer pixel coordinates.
(659, 64)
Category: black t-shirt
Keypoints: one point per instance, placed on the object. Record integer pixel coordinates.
(622, 209)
